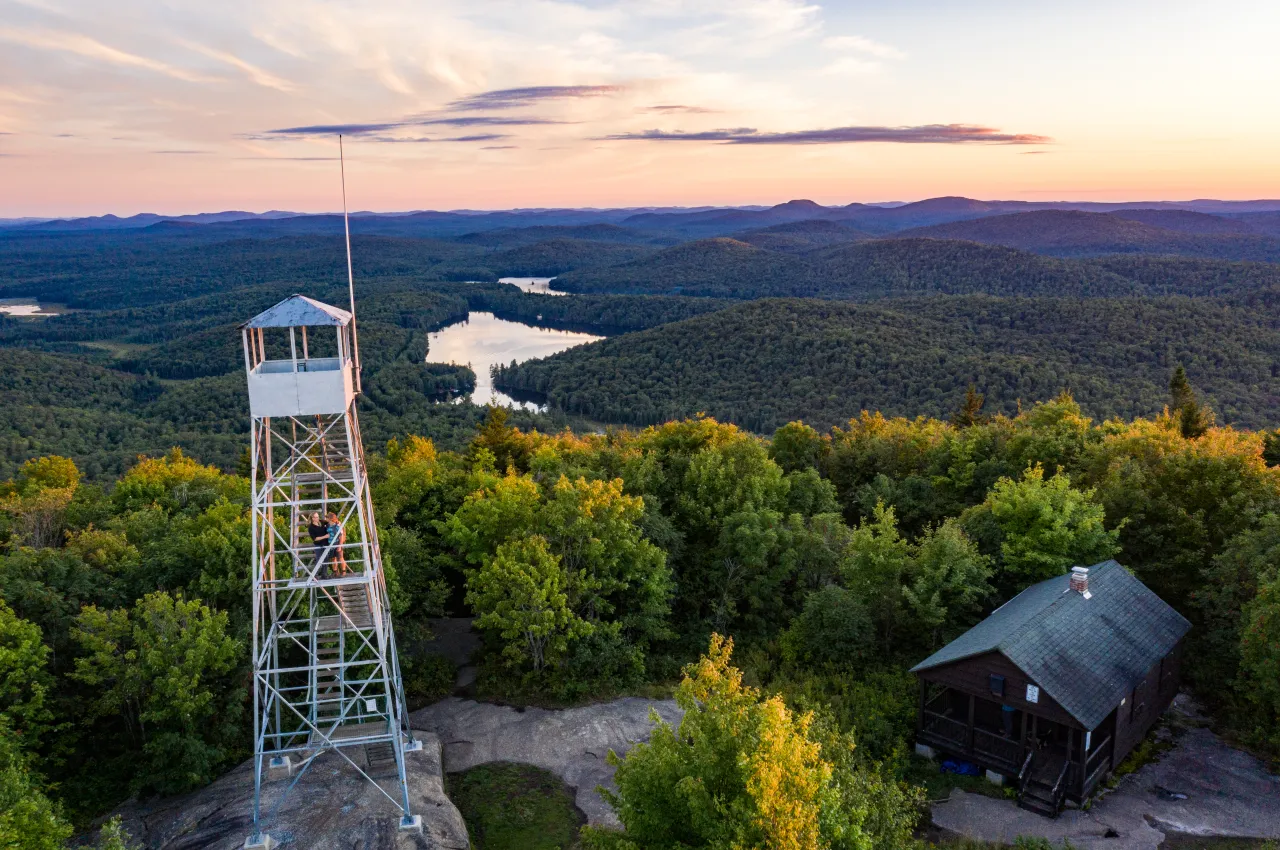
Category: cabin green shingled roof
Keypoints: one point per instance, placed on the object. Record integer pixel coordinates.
(1087, 654)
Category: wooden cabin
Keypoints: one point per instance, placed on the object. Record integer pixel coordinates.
(1054, 689)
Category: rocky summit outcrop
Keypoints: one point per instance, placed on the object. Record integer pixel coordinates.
(333, 807)
(330, 807)
(571, 743)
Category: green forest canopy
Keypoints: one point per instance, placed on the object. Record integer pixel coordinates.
(835, 560)
(763, 363)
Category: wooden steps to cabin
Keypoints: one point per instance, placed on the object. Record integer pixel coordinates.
(1044, 787)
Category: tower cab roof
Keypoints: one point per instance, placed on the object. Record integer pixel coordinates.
(299, 311)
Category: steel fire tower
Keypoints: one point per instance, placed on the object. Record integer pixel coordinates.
(326, 675)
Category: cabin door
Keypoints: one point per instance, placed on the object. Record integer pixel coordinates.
(1052, 744)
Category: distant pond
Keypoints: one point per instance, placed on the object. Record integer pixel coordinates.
(25, 307)
(484, 340)
(537, 285)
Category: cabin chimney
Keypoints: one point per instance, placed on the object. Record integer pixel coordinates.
(1080, 581)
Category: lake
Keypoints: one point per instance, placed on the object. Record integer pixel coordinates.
(484, 340)
(22, 307)
(536, 285)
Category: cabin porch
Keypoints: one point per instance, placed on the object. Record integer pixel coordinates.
(1048, 761)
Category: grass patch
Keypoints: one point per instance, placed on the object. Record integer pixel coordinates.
(516, 807)
(118, 350)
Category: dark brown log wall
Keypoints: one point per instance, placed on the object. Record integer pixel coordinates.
(971, 676)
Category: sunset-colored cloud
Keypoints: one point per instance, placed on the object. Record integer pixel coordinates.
(934, 134)
(88, 48)
(512, 98)
(773, 99)
(253, 72)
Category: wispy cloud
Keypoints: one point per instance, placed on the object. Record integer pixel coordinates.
(499, 147)
(253, 72)
(483, 121)
(81, 45)
(389, 126)
(401, 140)
(937, 134)
(513, 98)
(333, 130)
(678, 109)
(862, 45)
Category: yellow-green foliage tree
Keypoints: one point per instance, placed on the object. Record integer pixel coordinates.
(743, 771)
(37, 499)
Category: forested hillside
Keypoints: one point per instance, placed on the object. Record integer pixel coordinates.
(104, 386)
(1071, 233)
(763, 363)
(834, 562)
(860, 270)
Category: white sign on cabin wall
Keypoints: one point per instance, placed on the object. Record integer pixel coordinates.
(1033, 693)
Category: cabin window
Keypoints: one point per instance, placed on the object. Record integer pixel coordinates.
(996, 685)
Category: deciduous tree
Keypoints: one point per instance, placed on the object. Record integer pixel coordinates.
(163, 670)
(742, 771)
(519, 593)
(1045, 526)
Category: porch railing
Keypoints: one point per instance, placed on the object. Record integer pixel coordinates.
(997, 748)
(1095, 765)
(957, 734)
(947, 729)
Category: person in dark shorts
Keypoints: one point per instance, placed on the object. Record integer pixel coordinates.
(338, 538)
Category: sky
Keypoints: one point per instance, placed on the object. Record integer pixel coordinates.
(180, 107)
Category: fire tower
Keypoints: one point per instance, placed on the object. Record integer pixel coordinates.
(326, 675)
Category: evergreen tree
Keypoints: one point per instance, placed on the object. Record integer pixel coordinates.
(1271, 447)
(970, 412)
(1193, 418)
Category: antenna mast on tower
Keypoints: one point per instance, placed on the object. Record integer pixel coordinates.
(351, 279)
(326, 676)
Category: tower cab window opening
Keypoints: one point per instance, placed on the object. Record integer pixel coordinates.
(255, 351)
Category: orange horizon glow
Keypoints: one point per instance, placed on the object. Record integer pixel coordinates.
(497, 105)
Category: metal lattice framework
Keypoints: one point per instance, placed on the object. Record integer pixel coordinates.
(326, 673)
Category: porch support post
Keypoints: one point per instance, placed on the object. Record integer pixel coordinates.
(972, 702)
(1071, 757)
(1022, 740)
(920, 713)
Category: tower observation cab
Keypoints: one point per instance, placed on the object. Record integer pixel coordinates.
(326, 674)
